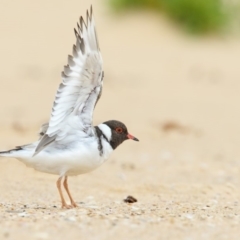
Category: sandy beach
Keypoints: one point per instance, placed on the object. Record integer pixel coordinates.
(178, 94)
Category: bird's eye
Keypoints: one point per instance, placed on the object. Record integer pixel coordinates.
(119, 130)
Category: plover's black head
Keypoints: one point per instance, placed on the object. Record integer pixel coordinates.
(119, 133)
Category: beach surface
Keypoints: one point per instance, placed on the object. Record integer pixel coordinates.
(178, 94)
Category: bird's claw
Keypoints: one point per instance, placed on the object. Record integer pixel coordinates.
(72, 205)
(66, 206)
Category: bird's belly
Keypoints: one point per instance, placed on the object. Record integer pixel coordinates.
(67, 163)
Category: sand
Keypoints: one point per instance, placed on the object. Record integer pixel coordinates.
(178, 94)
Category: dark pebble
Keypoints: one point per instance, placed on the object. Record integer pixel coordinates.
(130, 199)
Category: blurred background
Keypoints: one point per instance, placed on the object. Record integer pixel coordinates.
(171, 74)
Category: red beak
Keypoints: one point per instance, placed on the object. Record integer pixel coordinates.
(132, 137)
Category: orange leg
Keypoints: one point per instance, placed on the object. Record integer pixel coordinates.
(64, 204)
(65, 184)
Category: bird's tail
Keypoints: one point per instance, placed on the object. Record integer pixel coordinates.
(11, 152)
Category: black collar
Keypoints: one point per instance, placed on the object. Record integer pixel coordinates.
(99, 135)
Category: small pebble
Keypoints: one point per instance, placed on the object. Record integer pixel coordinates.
(130, 199)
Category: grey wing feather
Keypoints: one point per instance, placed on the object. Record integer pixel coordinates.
(46, 140)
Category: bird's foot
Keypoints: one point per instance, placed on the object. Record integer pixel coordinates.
(74, 205)
(64, 205)
(67, 206)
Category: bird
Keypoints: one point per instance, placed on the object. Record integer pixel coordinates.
(69, 144)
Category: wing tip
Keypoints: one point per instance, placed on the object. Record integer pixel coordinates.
(45, 141)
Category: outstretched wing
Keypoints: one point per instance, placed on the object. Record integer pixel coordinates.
(80, 89)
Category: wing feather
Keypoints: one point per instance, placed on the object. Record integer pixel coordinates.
(80, 89)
